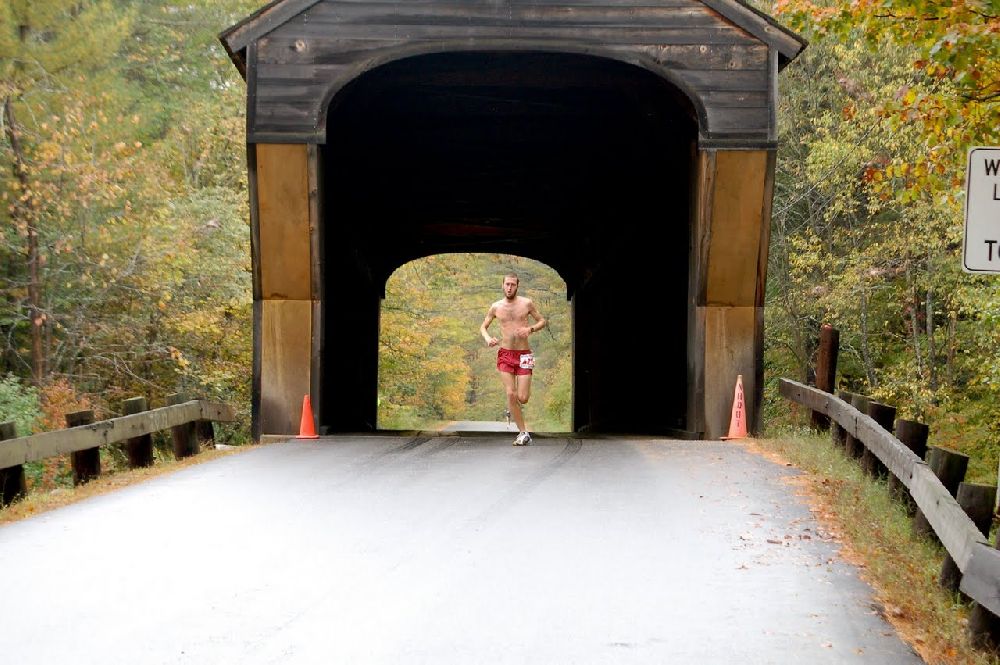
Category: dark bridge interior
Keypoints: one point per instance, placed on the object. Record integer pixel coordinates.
(583, 163)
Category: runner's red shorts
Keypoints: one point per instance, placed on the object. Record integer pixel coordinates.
(515, 361)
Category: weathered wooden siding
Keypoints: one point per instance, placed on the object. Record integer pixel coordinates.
(295, 70)
(732, 205)
(286, 304)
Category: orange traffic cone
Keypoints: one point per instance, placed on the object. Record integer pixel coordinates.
(307, 430)
(738, 421)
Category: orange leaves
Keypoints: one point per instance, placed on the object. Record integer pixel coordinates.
(872, 174)
(59, 397)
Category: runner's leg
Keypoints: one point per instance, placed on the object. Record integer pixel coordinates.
(523, 388)
(513, 405)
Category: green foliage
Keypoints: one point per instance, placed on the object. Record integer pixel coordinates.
(44, 42)
(130, 190)
(868, 215)
(19, 403)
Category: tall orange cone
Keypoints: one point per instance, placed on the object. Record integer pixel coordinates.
(307, 430)
(738, 421)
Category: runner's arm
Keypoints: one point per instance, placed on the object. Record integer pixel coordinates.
(540, 321)
(490, 339)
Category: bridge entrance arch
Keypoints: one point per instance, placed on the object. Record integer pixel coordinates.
(631, 149)
(481, 152)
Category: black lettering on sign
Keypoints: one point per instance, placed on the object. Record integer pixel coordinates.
(989, 251)
(995, 197)
(992, 166)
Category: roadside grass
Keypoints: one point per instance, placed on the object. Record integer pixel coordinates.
(875, 533)
(39, 501)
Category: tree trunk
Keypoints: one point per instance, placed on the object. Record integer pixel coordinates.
(23, 209)
(866, 354)
(914, 327)
(949, 367)
(929, 316)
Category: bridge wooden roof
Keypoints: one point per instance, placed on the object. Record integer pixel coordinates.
(722, 54)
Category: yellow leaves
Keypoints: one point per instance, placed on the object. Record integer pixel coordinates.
(48, 151)
(178, 357)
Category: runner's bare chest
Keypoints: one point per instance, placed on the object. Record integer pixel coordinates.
(512, 315)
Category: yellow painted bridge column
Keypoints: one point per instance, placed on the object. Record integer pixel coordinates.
(282, 222)
(732, 215)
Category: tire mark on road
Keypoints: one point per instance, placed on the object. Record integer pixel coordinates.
(518, 492)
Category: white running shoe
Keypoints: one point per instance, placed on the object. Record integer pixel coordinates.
(522, 439)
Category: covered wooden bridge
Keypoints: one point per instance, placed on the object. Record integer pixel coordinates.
(630, 147)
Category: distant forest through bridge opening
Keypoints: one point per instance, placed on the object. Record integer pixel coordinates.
(433, 364)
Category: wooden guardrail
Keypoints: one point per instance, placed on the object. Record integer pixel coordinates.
(978, 562)
(83, 440)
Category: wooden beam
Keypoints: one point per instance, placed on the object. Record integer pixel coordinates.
(981, 577)
(283, 214)
(264, 20)
(139, 449)
(86, 463)
(729, 350)
(760, 25)
(13, 485)
(48, 444)
(182, 436)
(286, 363)
(737, 226)
(956, 530)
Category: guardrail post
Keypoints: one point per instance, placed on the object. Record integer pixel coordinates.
(949, 467)
(885, 416)
(984, 626)
(183, 436)
(953, 465)
(205, 431)
(913, 435)
(838, 433)
(86, 463)
(855, 447)
(977, 502)
(826, 369)
(12, 482)
(139, 449)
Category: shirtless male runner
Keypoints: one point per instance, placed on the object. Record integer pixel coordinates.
(514, 358)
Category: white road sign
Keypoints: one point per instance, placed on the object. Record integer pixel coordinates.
(982, 211)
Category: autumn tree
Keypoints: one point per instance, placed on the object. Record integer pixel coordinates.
(42, 43)
(124, 234)
(877, 116)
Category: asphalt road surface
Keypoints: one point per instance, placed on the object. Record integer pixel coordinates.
(442, 549)
(481, 426)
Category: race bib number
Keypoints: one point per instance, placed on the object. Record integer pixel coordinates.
(527, 361)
